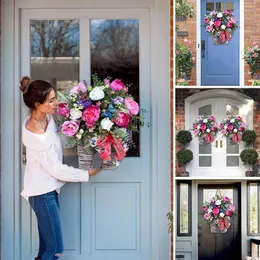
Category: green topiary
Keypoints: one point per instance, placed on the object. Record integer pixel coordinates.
(249, 157)
(249, 137)
(184, 137)
(184, 156)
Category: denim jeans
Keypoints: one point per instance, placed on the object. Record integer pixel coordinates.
(46, 208)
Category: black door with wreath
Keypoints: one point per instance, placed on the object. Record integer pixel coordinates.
(216, 246)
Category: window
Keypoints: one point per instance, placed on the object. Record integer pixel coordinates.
(253, 209)
(184, 208)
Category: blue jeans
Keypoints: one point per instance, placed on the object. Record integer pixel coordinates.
(46, 208)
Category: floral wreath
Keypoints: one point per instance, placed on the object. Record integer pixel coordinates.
(205, 127)
(232, 127)
(220, 24)
(218, 212)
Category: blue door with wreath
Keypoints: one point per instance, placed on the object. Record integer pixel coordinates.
(219, 54)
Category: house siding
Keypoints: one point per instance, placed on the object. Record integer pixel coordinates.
(251, 32)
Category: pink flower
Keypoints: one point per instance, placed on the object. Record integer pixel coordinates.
(233, 19)
(223, 132)
(203, 127)
(194, 126)
(212, 118)
(187, 42)
(226, 199)
(196, 131)
(70, 128)
(255, 44)
(117, 85)
(79, 88)
(227, 12)
(255, 55)
(63, 110)
(131, 106)
(229, 25)
(206, 20)
(122, 119)
(228, 213)
(107, 81)
(215, 211)
(91, 115)
(238, 117)
(251, 50)
(217, 23)
(204, 209)
(193, 59)
(206, 216)
(240, 129)
(232, 207)
(209, 28)
(228, 36)
(230, 128)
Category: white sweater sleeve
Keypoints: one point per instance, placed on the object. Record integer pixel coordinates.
(49, 159)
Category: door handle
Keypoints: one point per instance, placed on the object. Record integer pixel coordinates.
(203, 49)
(216, 143)
(221, 144)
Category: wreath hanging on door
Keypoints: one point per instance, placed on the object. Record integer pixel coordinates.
(233, 127)
(206, 128)
(218, 212)
(220, 25)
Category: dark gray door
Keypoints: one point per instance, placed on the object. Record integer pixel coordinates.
(216, 246)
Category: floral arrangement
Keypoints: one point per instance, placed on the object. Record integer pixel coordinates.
(220, 24)
(233, 127)
(218, 211)
(252, 58)
(100, 116)
(205, 127)
(184, 59)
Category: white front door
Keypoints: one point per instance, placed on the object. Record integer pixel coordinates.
(107, 218)
(219, 158)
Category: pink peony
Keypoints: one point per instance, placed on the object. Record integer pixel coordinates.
(217, 23)
(229, 25)
(122, 119)
(255, 55)
(215, 211)
(228, 213)
(70, 128)
(203, 127)
(117, 85)
(204, 209)
(131, 106)
(233, 19)
(63, 110)
(226, 199)
(79, 88)
(209, 28)
(227, 12)
(232, 207)
(230, 128)
(206, 20)
(196, 131)
(91, 115)
(206, 216)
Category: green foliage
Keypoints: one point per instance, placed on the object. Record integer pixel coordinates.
(184, 137)
(182, 82)
(252, 58)
(170, 218)
(249, 157)
(249, 137)
(183, 7)
(256, 82)
(184, 156)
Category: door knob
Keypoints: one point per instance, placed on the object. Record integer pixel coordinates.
(203, 49)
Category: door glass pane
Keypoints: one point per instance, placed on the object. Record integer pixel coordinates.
(205, 149)
(204, 161)
(232, 110)
(184, 208)
(115, 53)
(209, 7)
(209, 193)
(55, 58)
(232, 161)
(220, 6)
(253, 208)
(206, 110)
(232, 148)
(230, 6)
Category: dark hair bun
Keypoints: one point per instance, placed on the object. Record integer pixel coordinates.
(24, 84)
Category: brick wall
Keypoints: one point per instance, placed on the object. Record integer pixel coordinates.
(251, 30)
(182, 94)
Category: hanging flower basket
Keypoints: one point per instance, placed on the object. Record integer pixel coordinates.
(218, 213)
(220, 25)
(233, 127)
(206, 128)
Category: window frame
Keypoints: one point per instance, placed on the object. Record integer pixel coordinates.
(189, 233)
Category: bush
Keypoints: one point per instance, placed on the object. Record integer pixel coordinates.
(249, 157)
(249, 137)
(183, 8)
(252, 58)
(256, 82)
(184, 156)
(184, 137)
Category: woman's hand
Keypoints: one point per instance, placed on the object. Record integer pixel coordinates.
(93, 171)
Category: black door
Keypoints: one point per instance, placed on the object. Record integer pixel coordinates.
(219, 246)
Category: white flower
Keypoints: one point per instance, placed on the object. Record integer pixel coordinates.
(232, 120)
(218, 202)
(78, 135)
(223, 26)
(97, 93)
(219, 15)
(208, 130)
(222, 215)
(75, 114)
(81, 131)
(235, 130)
(205, 120)
(106, 124)
(209, 211)
(211, 23)
(198, 126)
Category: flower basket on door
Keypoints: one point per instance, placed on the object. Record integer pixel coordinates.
(99, 119)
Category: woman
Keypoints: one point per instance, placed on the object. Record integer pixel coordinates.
(44, 172)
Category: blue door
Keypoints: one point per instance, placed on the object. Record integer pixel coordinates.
(219, 62)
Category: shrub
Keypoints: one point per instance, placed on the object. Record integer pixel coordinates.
(249, 157)
(183, 8)
(252, 58)
(249, 137)
(184, 156)
(184, 137)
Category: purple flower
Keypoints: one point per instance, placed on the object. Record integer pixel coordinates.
(118, 100)
(84, 103)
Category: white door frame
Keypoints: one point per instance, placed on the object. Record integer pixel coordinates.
(11, 116)
(241, 43)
